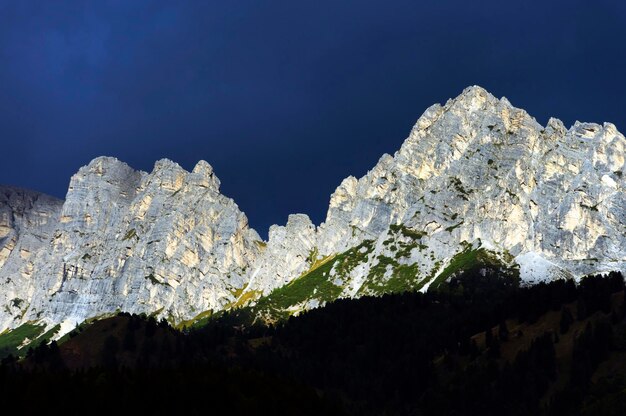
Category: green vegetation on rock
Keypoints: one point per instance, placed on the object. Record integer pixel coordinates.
(155, 281)
(316, 284)
(132, 233)
(458, 185)
(453, 227)
(403, 248)
(402, 278)
(471, 258)
(11, 341)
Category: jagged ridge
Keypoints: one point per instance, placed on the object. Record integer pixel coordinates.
(477, 178)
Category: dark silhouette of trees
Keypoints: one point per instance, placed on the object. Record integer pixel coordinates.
(401, 354)
(109, 351)
(129, 343)
(503, 331)
(488, 338)
(566, 320)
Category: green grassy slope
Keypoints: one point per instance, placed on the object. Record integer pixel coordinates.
(22, 336)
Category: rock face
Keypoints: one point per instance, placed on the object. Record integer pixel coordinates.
(481, 171)
(27, 223)
(288, 253)
(165, 242)
(476, 179)
(492, 172)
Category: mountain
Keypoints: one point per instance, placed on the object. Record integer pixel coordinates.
(477, 182)
(27, 223)
(165, 242)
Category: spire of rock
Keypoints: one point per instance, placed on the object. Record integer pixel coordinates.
(203, 176)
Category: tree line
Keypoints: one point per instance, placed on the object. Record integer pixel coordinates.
(445, 351)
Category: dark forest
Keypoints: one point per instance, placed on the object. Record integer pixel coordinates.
(479, 344)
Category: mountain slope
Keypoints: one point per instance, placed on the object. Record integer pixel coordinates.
(491, 348)
(477, 174)
(477, 182)
(165, 242)
(27, 223)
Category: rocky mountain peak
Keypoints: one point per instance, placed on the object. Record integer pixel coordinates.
(475, 97)
(109, 168)
(479, 174)
(476, 181)
(203, 176)
(127, 239)
(166, 175)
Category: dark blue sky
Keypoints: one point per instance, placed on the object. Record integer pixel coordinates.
(283, 98)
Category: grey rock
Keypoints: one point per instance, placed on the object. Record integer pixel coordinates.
(478, 172)
(166, 242)
(27, 222)
(474, 172)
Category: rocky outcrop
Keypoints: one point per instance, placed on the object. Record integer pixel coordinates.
(477, 179)
(494, 174)
(165, 242)
(478, 175)
(289, 252)
(27, 222)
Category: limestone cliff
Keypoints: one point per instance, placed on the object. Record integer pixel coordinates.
(27, 222)
(476, 180)
(164, 242)
(476, 177)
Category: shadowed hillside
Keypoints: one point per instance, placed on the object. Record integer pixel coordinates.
(478, 344)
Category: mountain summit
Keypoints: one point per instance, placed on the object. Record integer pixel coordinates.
(477, 182)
